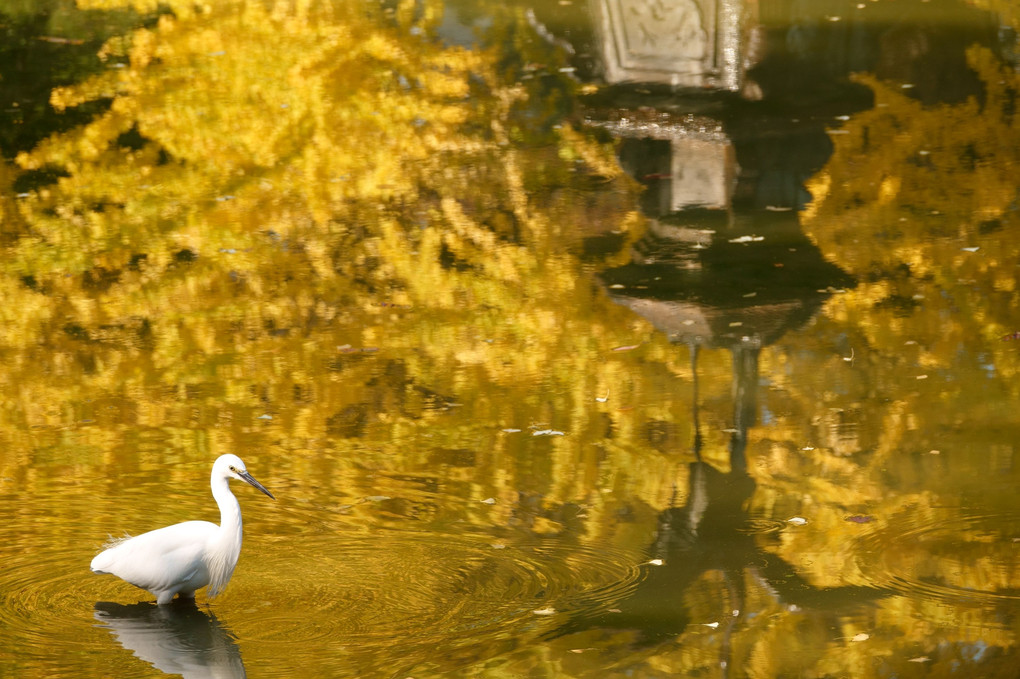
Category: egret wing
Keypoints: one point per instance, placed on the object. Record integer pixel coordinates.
(161, 559)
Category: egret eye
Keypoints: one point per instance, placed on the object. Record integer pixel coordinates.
(233, 469)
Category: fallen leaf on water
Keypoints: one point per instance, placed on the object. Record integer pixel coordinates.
(547, 432)
(603, 399)
(713, 625)
(59, 41)
(797, 520)
(348, 349)
(265, 417)
(626, 347)
(544, 611)
(656, 562)
(377, 498)
(747, 239)
(859, 518)
(974, 249)
(860, 637)
(920, 658)
(510, 431)
(489, 501)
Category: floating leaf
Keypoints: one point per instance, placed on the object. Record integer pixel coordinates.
(860, 637)
(544, 611)
(547, 432)
(797, 520)
(859, 518)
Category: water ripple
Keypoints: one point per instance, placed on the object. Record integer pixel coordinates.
(960, 560)
(439, 586)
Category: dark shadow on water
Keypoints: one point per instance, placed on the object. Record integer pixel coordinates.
(711, 534)
(178, 638)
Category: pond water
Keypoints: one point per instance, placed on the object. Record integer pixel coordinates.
(576, 339)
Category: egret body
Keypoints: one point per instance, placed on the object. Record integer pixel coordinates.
(187, 556)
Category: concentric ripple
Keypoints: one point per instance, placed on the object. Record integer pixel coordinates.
(46, 598)
(426, 585)
(960, 560)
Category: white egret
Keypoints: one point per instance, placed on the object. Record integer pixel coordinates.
(187, 556)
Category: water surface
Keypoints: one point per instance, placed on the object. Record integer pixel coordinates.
(590, 340)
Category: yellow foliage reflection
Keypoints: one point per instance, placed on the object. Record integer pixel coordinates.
(315, 232)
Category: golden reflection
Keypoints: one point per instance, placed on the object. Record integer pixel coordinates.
(314, 232)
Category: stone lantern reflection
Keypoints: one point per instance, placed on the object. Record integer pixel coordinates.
(681, 43)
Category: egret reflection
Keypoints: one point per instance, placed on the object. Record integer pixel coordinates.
(175, 639)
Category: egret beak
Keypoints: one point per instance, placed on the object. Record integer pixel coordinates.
(248, 478)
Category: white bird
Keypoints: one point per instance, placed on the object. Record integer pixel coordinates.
(187, 556)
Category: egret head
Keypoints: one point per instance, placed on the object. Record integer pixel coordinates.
(232, 467)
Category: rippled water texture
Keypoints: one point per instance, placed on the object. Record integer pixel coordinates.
(983, 547)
